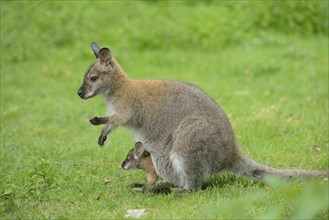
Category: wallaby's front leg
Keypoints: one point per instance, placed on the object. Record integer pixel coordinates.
(105, 131)
(112, 122)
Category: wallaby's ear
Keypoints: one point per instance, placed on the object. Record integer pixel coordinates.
(95, 48)
(139, 149)
(105, 55)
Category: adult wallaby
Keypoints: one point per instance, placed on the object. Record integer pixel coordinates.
(139, 158)
(186, 132)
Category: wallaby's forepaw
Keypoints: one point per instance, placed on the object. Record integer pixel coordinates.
(101, 140)
(96, 121)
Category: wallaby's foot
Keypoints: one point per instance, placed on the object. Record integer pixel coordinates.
(97, 121)
(137, 185)
(101, 140)
(156, 190)
(164, 191)
(147, 187)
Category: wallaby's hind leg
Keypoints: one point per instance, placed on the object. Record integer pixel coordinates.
(189, 171)
(193, 182)
(199, 149)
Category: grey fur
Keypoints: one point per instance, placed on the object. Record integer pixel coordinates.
(95, 48)
(186, 132)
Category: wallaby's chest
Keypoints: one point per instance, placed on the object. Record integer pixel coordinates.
(110, 108)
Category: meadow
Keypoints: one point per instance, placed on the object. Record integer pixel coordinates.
(264, 62)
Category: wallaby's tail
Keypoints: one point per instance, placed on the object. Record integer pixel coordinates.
(250, 168)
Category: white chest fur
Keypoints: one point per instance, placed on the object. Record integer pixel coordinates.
(110, 108)
(138, 135)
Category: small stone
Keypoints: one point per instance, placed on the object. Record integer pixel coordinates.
(135, 213)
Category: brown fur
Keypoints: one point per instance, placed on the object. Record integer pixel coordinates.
(138, 158)
(186, 132)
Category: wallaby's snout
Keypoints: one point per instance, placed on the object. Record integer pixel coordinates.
(130, 162)
(123, 165)
(81, 92)
(90, 87)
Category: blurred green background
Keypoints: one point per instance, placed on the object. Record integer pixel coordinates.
(265, 62)
(32, 30)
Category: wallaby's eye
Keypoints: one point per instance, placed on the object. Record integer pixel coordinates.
(93, 78)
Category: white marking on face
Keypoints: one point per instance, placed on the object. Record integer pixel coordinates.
(89, 94)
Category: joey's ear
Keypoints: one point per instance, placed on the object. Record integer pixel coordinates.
(105, 55)
(139, 149)
(95, 48)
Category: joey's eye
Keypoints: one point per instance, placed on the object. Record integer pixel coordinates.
(93, 78)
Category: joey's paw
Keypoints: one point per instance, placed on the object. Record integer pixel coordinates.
(101, 140)
(137, 185)
(95, 121)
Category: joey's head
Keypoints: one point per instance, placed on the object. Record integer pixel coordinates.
(134, 157)
(99, 76)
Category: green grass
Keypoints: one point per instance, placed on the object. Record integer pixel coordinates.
(272, 85)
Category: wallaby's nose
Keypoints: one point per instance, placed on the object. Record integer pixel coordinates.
(122, 165)
(80, 92)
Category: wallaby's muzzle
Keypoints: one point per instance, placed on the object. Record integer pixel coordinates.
(81, 93)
